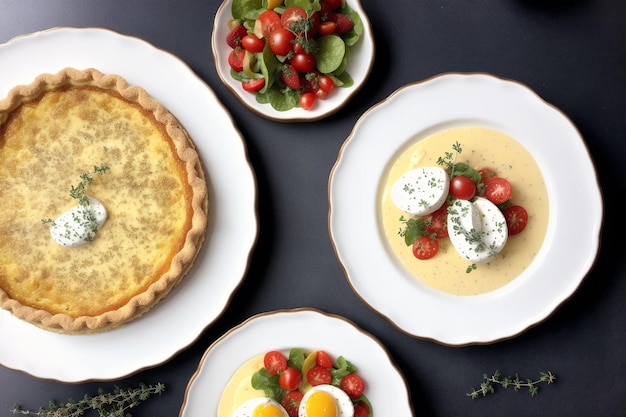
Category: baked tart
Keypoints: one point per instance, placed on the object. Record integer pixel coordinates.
(103, 202)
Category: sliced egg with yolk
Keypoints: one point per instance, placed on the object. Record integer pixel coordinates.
(421, 191)
(260, 407)
(326, 401)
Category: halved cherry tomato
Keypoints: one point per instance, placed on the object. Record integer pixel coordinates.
(462, 187)
(303, 62)
(425, 247)
(353, 385)
(437, 222)
(307, 101)
(280, 41)
(252, 43)
(516, 219)
(274, 362)
(266, 23)
(291, 402)
(253, 85)
(323, 359)
(292, 16)
(290, 378)
(319, 375)
(498, 190)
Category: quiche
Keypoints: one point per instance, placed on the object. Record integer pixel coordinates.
(75, 137)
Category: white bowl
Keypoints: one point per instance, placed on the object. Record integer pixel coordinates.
(359, 66)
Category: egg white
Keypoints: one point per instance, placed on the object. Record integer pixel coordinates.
(345, 408)
(246, 409)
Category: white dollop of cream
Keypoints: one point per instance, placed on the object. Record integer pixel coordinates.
(79, 224)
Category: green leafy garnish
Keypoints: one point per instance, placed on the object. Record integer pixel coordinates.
(79, 192)
(487, 386)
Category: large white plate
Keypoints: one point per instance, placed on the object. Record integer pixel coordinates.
(359, 66)
(308, 329)
(203, 295)
(410, 114)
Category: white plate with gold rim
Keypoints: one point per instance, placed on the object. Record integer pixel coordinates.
(202, 296)
(410, 114)
(308, 329)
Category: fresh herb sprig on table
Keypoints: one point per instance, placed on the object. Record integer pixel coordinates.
(107, 404)
(487, 386)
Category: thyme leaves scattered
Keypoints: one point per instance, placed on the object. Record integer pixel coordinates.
(516, 382)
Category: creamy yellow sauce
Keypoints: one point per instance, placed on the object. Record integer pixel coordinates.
(239, 388)
(481, 147)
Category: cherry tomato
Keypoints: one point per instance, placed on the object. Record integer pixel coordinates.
(303, 62)
(320, 93)
(498, 190)
(297, 47)
(462, 187)
(253, 85)
(266, 23)
(327, 27)
(319, 375)
(307, 100)
(274, 362)
(280, 41)
(326, 83)
(425, 247)
(361, 410)
(353, 385)
(323, 359)
(290, 379)
(252, 43)
(235, 59)
(292, 16)
(516, 219)
(437, 222)
(291, 402)
(486, 174)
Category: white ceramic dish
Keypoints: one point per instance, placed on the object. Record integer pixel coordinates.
(203, 295)
(359, 66)
(412, 113)
(308, 329)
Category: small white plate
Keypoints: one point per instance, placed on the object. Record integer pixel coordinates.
(308, 329)
(359, 67)
(450, 100)
(204, 293)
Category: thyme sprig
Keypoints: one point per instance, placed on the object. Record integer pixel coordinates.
(79, 192)
(107, 404)
(487, 386)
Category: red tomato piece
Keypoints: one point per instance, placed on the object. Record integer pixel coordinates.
(291, 402)
(498, 190)
(333, 4)
(425, 247)
(253, 85)
(486, 174)
(323, 359)
(293, 17)
(307, 100)
(266, 23)
(516, 219)
(274, 362)
(235, 59)
(437, 222)
(236, 34)
(327, 28)
(281, 41)
(353, 385)
(326, 83)
(344, 24)
(361, 410)
(252, 43)
(303, 62)
(462, 187)
(290, 378)
(318, 375)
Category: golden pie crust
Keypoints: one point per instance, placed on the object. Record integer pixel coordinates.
(54, 130)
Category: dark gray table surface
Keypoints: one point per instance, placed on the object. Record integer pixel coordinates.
(572, 53)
